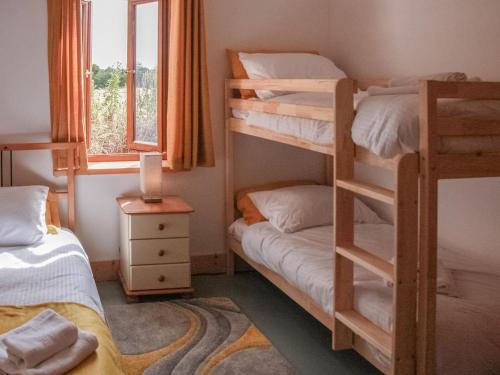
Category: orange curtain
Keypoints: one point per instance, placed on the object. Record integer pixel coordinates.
(66, 77)
(184, 100)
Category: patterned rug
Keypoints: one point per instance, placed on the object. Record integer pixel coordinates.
(196, 336)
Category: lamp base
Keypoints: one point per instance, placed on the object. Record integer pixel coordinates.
(152, 199)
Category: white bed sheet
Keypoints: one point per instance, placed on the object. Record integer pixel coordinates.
(237, 228)
(57, 270)
(468, 336)
(387, 125)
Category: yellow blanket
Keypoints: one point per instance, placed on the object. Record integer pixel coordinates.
(106, 360)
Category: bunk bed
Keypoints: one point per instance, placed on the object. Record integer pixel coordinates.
(395, 352)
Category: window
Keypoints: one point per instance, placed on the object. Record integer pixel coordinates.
(120, 52)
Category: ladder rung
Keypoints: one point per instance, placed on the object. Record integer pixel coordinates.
(364, 328)
(367, 190)
(368, 261)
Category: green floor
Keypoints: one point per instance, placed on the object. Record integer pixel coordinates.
(298, 336)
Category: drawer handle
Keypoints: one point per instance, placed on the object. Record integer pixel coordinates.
(161, 226)
(161, 279)
(161, 253)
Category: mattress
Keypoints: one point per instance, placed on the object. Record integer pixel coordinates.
(56, 271)
(468, 335)
(387, 125)
(305, 258)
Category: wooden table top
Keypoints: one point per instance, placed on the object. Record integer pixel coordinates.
(169, 205)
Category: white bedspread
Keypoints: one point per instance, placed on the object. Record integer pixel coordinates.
(315, 131)
(386, 124)
(468, 335)
(55, 271)
(305, 258)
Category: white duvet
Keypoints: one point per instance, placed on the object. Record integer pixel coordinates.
(315, 131)
(387, 125)
(57, 270)
(468, 335)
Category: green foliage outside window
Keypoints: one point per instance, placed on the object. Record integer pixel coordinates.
(108, 133)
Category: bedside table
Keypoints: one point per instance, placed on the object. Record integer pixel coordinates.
(154, 246)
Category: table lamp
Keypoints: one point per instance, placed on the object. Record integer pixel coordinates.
(151, 177)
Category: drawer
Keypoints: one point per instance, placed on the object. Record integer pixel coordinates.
(159, 226)
(165, 276)
(172, 250)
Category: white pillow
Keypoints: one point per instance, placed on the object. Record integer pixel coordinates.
(22, 215)
(287, 66)
(364, 214)
(298, 207)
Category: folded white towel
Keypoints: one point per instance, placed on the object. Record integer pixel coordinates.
(398, 90)
(43, 336)
(413, 80)
(61, 362)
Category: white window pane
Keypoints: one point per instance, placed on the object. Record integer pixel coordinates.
(109, 93)
(146, 63)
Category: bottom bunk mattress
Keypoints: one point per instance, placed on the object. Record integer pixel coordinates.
(468, 336)
(56, 275)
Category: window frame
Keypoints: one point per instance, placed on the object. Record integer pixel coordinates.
(135, 147)
(131, 93)
(86, 16)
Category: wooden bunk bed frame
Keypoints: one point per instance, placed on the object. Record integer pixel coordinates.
(349, 328)
(435, 166)
(411, 347)
(70, 148)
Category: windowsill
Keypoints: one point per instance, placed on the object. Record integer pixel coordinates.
(115, 167)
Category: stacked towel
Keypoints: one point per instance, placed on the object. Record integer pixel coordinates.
(410, 84)
(46, 345)
(397, 90)
(413, 80)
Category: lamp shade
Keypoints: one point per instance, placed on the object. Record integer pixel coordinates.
(151, 176)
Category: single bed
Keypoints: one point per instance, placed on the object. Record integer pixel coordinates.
(56, 274)
(468, 334)
(52, 273)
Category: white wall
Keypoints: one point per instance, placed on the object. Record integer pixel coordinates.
(24, 114)
(383, 38)
(366, 38)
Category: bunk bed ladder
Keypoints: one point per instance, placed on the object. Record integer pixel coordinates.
(400, 345)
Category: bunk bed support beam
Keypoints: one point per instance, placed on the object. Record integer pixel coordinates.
(299, 85)
(428, 222)
(343, 213)
(435, 166)
(404, 333)
(229, 171)
(295, 110)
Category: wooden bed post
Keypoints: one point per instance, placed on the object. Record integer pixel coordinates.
(426, 340)
(404, 305)
(343, 211)
(229, 186)
(329, 170)
(71, 187)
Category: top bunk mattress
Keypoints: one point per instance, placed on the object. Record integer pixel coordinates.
(57, 270)
(468, 333)
(387, 125)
